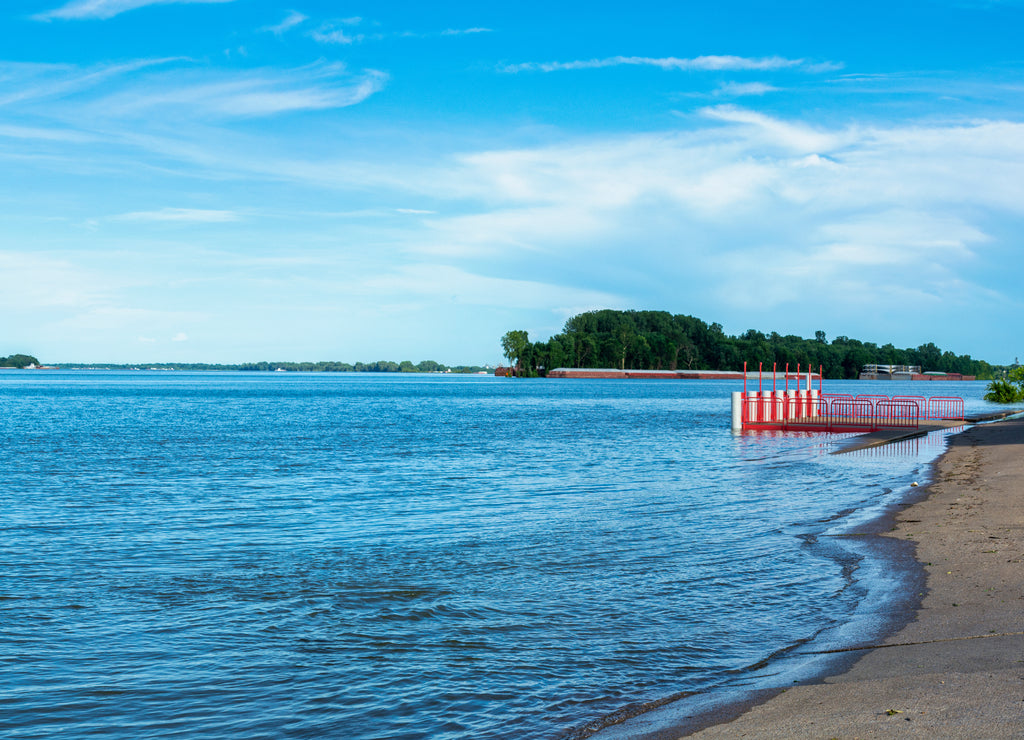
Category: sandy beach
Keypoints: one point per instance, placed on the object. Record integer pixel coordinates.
(957, 669)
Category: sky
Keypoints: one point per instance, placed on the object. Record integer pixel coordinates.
(245, 180)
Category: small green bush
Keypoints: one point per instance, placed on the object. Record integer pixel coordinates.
(1009, 390)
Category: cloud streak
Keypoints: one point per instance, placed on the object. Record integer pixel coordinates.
(737, 89)
(262, 93)
(293, 19)
(711, 63)
(180, 215)
(338, 32)
(140, 87)
(104, 9)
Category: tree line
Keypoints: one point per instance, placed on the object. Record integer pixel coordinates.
(381, 366)
(659, 340)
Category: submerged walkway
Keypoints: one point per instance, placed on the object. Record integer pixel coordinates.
(888, 436)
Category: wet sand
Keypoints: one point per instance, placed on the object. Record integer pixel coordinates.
(957, 669)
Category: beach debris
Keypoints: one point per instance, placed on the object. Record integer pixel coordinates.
(891, 712)
(914, 484)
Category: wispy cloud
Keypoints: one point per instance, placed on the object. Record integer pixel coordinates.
(137, 88)
(336, 31)
(341, 32)
(796, 137)
(260, 93)
(30, 81)
(738, 89)
(44, 134)
(190, 215)
(293, 19)
(713, 63)
(465, 31)
(103, 9)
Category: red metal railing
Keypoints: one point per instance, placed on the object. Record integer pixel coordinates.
(946, 407)
(803, 410)
(836, 397)
(851, 415)
(898, 414)
(921, 401)
(816, 411)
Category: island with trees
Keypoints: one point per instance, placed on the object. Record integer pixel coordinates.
(659, 340)
(19, 361)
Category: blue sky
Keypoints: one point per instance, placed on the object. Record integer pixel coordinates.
(237, 180)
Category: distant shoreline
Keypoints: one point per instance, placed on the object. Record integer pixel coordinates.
(383, 366)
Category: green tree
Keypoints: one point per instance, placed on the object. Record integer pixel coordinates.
(514, 345)
(556, 354)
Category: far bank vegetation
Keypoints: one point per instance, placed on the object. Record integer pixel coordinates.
(659, 340)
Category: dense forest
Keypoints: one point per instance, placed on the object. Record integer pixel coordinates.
(658, 340)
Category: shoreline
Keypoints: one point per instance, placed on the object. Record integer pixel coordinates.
(929, 672)
(956, 666)
(815, 658)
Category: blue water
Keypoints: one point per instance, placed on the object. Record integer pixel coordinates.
(289, 556)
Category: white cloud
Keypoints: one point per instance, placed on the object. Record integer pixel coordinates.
(32, 81)
(105, 92)
(796, 137)
(103, 9)
(464, 31)
(338, 32)
(45, 134)
(334, 32)
(703, 63)
(753, 216)
(334, 36)
(180, 337)
(737, 89)
(193, 215)
(293, 19)
(255, 93)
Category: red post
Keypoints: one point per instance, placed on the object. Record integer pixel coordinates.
(760, 391)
